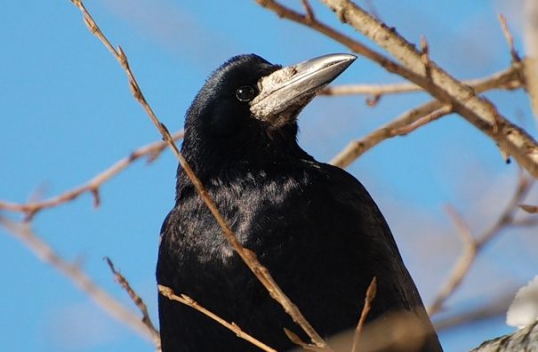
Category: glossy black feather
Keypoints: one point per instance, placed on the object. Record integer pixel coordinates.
(313, 225)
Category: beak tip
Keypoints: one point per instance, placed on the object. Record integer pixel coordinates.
(345, 59)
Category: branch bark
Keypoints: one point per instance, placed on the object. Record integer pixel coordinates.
(508, 79)
(531, 47)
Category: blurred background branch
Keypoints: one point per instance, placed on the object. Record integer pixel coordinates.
(75, 275)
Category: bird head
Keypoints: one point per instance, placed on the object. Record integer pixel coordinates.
(249, 106)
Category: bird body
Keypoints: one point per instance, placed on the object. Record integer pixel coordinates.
(314, 226)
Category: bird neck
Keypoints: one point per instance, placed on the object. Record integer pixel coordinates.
(213, 162)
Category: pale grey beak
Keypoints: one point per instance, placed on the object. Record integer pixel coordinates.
(285, 92)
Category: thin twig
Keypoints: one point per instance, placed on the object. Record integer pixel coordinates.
(473, 246)
(370, 296)
(309, 11)
(407, 87)
(507, 79)
(247, 256)
(509, 39)
(305, 346)
(188, 301)
(371, 89)
(533, 209)
(146, 319)
(42, 250)
(497, 307)
(425, 56)
(152, 151)
(437, 114)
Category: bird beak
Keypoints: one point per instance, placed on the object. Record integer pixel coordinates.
(285, 92)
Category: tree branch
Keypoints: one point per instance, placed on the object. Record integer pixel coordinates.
(152, 151)
(495, 308)
(472, 247)
(23, 233)
(368, 299)
(477, 110)
(530, 63)
(146, 319)
(494, 82)
(188, 301)
(508, 79)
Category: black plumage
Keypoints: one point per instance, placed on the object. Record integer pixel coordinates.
(314, 226)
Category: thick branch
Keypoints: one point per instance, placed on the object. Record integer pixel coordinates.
(477, 110)
(531, 47)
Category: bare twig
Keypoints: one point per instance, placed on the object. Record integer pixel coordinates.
(247, 256)
(152, 151)
(407, 87)
(437, 114)
(188, 301)
(533, 209)
(497, 307)
(305, 346)
(370, 295)
(371, 89)
(425, 56)
(472, 246)
(508, 79)
(42, 250)
(138, 302)
(309, 11)
(509, 39)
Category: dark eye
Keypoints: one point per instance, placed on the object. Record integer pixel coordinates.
(245, 93)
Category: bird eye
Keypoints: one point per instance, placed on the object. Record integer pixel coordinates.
(245, 93)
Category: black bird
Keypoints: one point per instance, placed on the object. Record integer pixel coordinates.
(313, 225)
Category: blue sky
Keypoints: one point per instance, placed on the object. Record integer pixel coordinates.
(67, 114)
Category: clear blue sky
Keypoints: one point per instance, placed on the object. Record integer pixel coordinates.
(67, 114)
